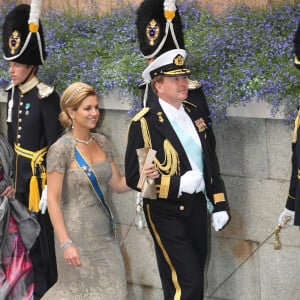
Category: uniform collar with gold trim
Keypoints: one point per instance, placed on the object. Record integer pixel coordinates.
(29, 85)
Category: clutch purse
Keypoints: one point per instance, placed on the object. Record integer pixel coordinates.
(146, 184)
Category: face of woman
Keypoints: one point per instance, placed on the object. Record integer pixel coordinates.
(87, 114)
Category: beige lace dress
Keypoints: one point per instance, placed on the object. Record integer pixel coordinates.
(102, 274)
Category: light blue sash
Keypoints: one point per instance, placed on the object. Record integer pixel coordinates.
(190, 146)
(82, 163)
(193, 150)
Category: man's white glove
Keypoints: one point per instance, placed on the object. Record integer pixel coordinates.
(191, 182)
(43, 201)
(219, 219)
(284, 214)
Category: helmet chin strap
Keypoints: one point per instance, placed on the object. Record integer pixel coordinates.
(11, 100)
(28, 76)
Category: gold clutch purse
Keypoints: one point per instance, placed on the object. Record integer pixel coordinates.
(146, 184)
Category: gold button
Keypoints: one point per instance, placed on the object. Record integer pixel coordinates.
(181, 207)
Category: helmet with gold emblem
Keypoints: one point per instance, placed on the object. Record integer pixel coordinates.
(22, 35)
(159, 27)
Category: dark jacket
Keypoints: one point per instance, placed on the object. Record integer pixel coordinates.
(151, 128)
(34, 125)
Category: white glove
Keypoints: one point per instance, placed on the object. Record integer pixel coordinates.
(284, 214)
(43, 201)
(201, 186)
(191, 182)
(219, 219)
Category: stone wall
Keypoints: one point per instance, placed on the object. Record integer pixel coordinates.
(254, 155)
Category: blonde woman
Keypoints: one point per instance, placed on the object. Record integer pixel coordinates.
(80, 169)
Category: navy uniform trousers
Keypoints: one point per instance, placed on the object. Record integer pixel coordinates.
(181, 249)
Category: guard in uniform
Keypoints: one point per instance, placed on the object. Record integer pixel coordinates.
(159, 29)
(292, 207)
(33, 125)
(176, 205)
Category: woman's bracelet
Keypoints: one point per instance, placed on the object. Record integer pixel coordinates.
(66, 244)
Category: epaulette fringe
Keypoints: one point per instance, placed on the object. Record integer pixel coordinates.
(44, 90)
(194, 84)
(140, 114)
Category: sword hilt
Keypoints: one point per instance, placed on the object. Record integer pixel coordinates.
(277, 243)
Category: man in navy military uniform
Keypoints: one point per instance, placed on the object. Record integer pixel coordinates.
(292, 207)
(33, 125)
(189, 184)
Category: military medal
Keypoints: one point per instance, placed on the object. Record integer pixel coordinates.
(27, 107)
(200, 124)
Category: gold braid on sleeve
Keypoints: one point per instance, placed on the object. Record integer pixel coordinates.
(170, 165)
(145, 133)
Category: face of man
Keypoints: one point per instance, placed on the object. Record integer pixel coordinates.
(173, 90)
(19, 72)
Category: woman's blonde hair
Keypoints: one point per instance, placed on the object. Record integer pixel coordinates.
(71, 99)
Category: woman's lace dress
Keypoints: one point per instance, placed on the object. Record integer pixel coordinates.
(102, 274)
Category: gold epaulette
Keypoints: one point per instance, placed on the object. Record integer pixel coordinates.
(140, 114)
(194, 84)
(45, 90)
(9, 87)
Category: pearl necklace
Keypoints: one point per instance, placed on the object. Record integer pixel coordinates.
(84, 141)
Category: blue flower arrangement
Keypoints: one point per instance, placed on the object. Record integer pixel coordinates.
(244, 55)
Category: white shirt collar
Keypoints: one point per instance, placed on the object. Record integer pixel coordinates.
(170, 110)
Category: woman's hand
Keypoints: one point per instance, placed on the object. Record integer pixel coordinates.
(72, 256)
(151, 171)
(8, 192)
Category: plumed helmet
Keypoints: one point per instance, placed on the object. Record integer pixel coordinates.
(159, 27)
(22, 35)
